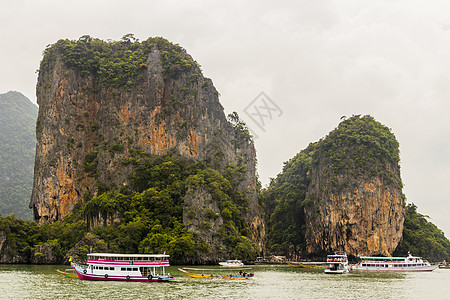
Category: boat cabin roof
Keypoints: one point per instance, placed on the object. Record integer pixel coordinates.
(382, 258)
(128, 255)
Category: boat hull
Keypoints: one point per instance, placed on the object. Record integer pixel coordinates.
(396, 269)
(82, 274)
(211, 276)
(68, 274)
(340, 271)
(106, 277)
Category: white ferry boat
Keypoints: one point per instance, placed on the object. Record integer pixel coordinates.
(402, 264)
(126, 267)
(232, 263)
(337, 263)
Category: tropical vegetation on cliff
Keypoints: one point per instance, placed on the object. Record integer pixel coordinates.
(422, 238)
(150, 215)
(118, 63)
(358, 149)
(133, 141)
(284, 204)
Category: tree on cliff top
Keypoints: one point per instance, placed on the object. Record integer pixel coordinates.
(118, 64)
(360, 145)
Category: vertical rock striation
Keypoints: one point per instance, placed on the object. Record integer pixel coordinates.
(343, 192)
(355, 196)
(99, 102)
(365, 218)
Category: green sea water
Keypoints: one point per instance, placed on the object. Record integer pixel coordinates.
(270, 282)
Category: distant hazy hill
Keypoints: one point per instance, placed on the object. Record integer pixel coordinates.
(17, 149)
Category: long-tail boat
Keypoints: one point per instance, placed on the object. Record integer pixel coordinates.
(210, 273)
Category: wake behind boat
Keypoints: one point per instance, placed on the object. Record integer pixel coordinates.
(215, 273)
(401, 264)
(337, 263)
(124, 267)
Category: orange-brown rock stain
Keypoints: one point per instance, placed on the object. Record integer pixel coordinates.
(67, 195)
(258, 232)
(193, 140)
(125, 115)
(359, 221)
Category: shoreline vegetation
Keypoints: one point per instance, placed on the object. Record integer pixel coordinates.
(150, 214)
(145, 229)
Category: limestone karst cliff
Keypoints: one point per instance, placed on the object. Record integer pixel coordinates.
(102, 102)
(343, 192)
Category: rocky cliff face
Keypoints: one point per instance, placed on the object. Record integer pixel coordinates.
(341, 193)
(356, 200)
(148, 97)
(365, 218)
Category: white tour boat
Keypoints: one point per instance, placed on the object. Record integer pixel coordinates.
(409, 263)
(126, 267)
(232, 263)
(337, 263)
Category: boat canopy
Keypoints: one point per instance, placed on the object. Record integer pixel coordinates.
(133, 256)
(382, 258)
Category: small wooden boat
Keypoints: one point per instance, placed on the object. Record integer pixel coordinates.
(68, 273)
(233, 263)
(302, 266)
(209, 273)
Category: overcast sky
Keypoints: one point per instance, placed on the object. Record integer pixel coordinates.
(315, 61)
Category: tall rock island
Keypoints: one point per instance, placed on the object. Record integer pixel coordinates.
(102, 104)
(343, 192)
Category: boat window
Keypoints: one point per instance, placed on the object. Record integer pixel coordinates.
(123, 269)
(111, 268)
(129, 269)
(135, 269)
